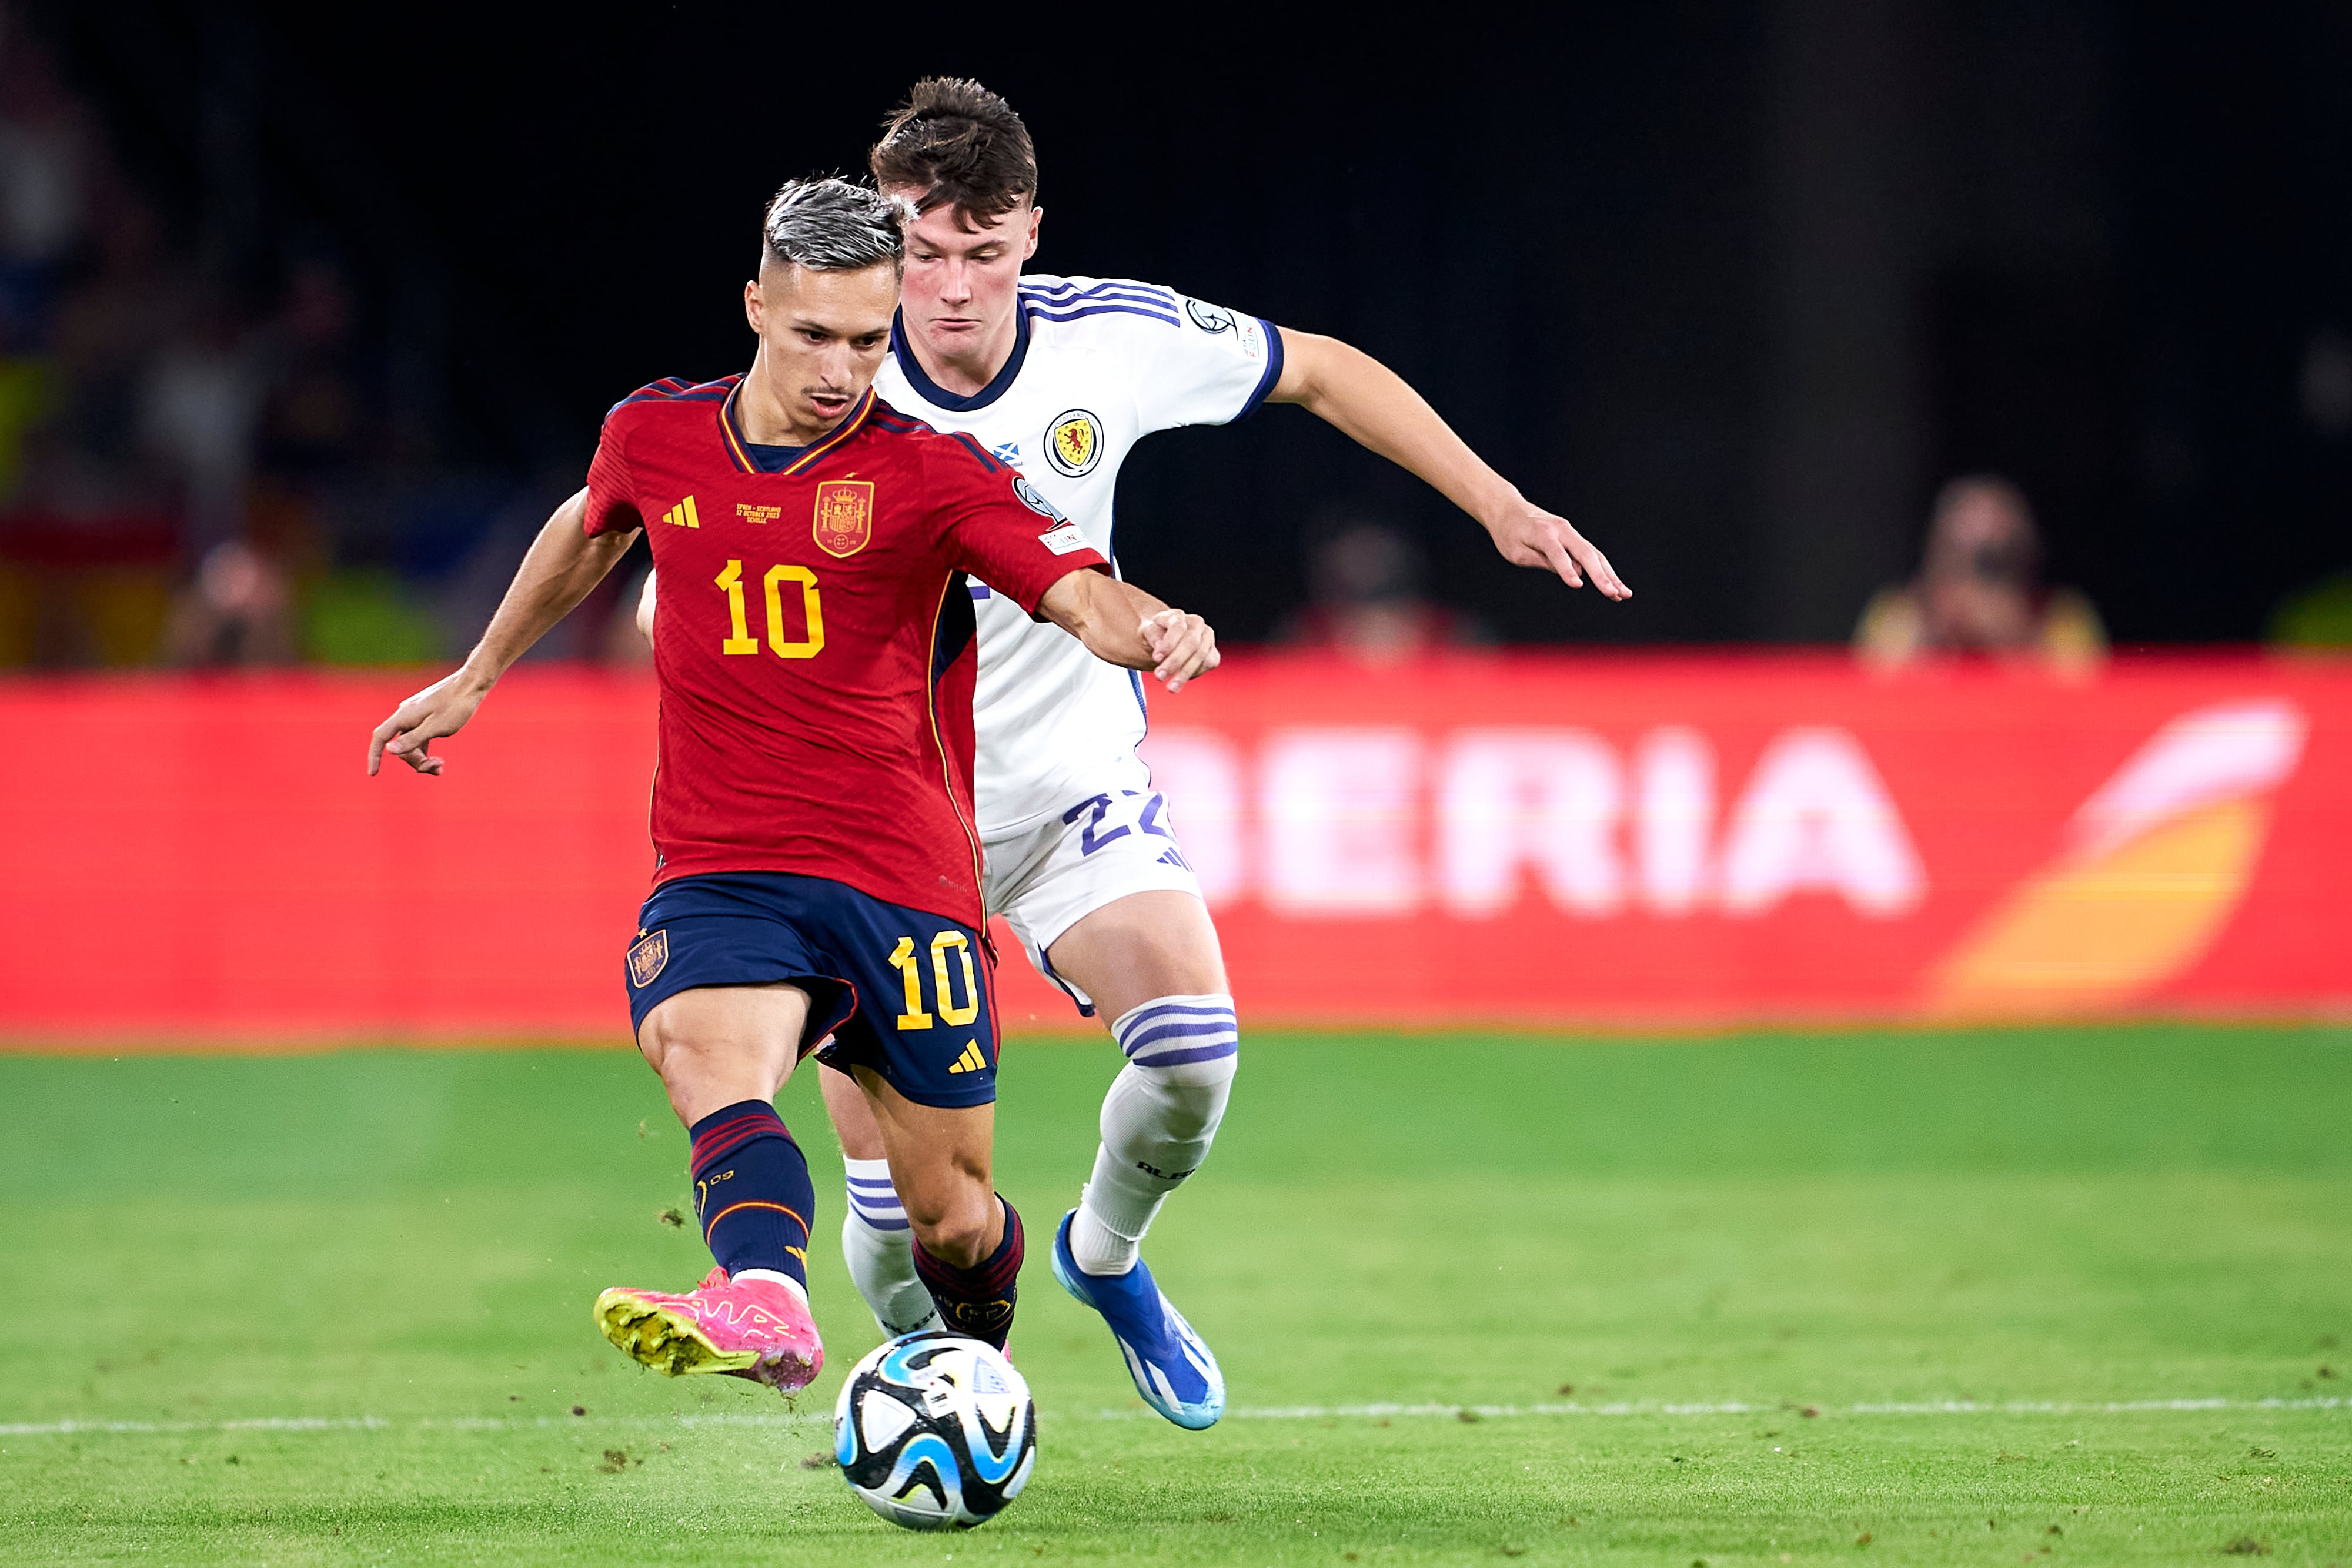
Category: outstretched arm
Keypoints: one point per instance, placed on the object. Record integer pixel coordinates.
(1353, 392)
(561, 568)
(1121, 625)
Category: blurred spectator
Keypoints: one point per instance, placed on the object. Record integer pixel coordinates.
(1366, 598)
(201, 410)
(315, 420)
(2324, 385)
(1979, 590)
(87, 452)
(237, 612)
(163, 425)
(2319, 616)
(87, 552)
(314, 427)
(43, 160)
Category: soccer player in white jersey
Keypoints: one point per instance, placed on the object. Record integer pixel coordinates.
(1060, 377)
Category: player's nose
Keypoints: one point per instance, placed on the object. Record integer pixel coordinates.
(838, 375)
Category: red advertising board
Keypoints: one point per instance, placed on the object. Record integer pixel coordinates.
(1517, 838)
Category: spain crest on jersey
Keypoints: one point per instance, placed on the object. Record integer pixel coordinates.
(1074, 443)
(844, 515)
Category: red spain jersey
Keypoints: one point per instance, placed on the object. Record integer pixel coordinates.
(813, 637)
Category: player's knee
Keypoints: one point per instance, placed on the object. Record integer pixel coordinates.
(1211, 1078)
(715, 1045)
(1182, 1052)
(961, 1239)
(954, 1221)
(1188, 1101)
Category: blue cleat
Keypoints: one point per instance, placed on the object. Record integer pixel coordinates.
(1174, 1369)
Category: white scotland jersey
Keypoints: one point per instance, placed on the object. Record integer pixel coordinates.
(1099, 364)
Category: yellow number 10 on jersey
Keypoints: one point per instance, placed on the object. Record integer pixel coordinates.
(784, 647)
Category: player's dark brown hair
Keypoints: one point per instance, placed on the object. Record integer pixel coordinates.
(958, 145)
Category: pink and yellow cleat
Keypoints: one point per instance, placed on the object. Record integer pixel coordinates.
(748, 1328)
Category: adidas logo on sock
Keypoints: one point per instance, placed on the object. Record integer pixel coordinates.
(971, 1060)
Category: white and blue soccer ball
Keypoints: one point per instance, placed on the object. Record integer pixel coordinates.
(935, 1431)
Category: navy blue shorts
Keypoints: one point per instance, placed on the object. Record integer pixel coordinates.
(906, 993)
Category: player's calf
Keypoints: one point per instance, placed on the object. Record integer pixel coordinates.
(975, 1299)
(753, 1195)
(1159, 1121)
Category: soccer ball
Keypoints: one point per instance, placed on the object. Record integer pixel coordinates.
(935, 1431)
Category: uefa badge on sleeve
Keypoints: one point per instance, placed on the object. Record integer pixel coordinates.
(1207, 317)
(1029, 496)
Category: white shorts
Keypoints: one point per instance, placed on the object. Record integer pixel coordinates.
(1048, 875)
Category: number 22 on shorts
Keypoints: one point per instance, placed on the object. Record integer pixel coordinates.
(903, 958)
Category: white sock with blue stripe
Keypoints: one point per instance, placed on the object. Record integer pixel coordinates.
(1157, 1121)
(879, 1249)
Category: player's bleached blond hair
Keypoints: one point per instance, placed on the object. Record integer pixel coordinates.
(832, 226)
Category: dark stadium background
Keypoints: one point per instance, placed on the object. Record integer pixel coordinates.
(1734, 285)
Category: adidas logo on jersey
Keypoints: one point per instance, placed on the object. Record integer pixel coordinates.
(683, 514)
(971, 1060)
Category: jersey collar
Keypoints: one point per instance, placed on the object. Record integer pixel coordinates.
(731, 433)
(931, 392)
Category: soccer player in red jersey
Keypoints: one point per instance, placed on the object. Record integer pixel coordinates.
(817, 871)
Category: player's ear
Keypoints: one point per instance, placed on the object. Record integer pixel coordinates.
(752, 310)
(1036, 217)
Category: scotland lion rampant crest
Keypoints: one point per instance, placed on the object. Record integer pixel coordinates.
(1074, 443)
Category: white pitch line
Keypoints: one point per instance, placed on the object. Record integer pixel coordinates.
(1740, 1407)
(1244, 1413)
(423, 1424)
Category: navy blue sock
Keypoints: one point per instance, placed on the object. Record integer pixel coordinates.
(978, 1301)
(751, 1190)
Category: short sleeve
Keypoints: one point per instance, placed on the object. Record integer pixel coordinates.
(612, 491)
(993, 524)
(1213, 367)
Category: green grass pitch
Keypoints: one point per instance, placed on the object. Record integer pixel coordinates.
(2035, 1296)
